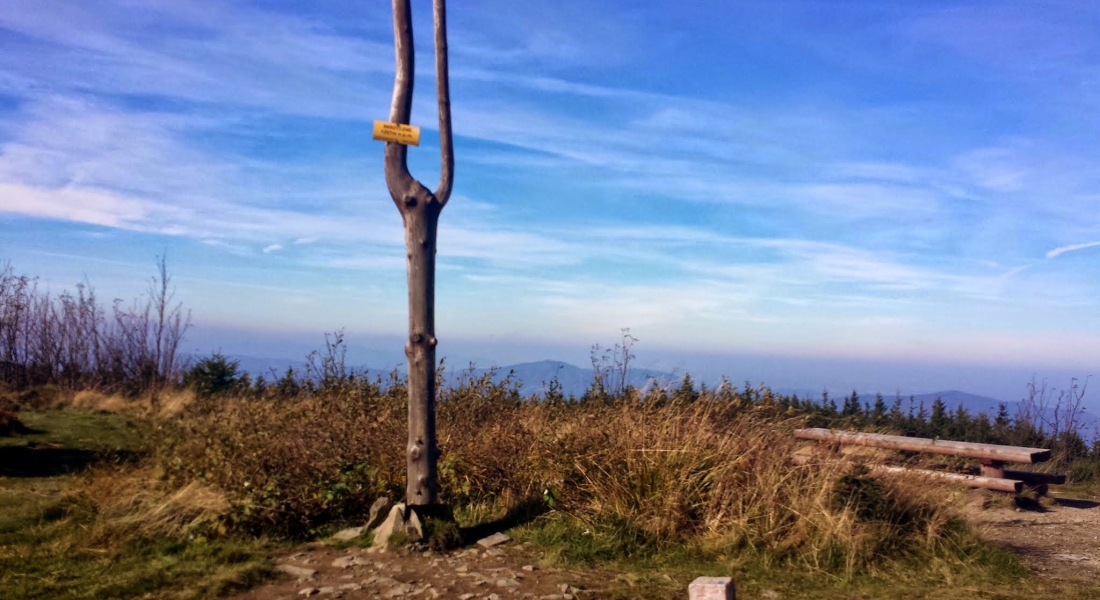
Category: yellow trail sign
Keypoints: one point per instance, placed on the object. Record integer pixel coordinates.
(396, 132)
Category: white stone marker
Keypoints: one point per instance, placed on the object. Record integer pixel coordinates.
(711, 588)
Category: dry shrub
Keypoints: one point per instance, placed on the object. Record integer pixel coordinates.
(710, 473)
(41, 397)
(288, 466)
(10, 423)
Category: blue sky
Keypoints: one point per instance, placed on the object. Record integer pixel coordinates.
(913, 183)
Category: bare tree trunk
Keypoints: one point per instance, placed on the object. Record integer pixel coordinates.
(420, 210)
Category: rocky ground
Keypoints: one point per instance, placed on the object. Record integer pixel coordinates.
(1056, 540)
(499, 572)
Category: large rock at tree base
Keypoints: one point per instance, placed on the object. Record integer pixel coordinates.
(395, 521)
(414, 526)
(378, 512)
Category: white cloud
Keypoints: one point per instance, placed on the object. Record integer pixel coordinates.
(272, 248)
(1071, 248)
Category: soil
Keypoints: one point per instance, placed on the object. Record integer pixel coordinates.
(501, 572)
(1057, 538)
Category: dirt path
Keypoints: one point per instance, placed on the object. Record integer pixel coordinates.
(506, 571)
(1059, 542)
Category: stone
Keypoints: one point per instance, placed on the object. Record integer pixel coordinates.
(394, 521)
(507, 582)
(493, 540)
(466, 596)
(564, 587)
(378, 512)
(770, 594)
(528, 567)
(494, 596)
(328, 589)
(399, 590)
(295, 571)
(711, 588)
(1071, 557)
(346, 535)
(307, 592)
(351, 587)
(345, 562)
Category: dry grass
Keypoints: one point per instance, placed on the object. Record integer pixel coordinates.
(171, 402)
(710, 474)
(115, 530)
(134, 503)
(92, 400)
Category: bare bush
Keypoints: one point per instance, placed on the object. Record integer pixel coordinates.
(71, 340)
(1052, 416)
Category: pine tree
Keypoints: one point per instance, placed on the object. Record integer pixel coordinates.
(851, 406)
(939, 422)
(897, 418)
(828, 404)
(878, 413)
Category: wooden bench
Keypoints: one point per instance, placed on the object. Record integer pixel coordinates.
(992, 458)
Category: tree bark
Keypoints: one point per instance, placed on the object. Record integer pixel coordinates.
(420, 210)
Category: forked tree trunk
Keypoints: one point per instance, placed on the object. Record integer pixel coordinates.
(420, 210)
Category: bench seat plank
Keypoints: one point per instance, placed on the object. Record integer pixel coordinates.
(992, 452)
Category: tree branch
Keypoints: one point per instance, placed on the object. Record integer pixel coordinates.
(443, 91)
(400, 183)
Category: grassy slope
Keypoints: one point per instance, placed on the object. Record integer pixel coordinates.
(46, 550)
(47, 545)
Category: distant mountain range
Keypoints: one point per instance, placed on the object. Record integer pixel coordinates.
(535, 377)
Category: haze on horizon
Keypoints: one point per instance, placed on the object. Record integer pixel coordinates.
(823, 188)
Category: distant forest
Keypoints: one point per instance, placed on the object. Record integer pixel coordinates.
(72, 341)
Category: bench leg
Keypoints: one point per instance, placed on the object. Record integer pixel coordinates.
(993, 468)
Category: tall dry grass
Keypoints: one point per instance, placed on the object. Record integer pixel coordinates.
(710, 473)
(132, 503)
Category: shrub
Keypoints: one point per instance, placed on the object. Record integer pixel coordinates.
(712, 474)
(215, 375)
(288, 467)
(10, 423)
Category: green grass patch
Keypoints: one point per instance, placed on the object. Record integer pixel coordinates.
(638, 568)
(81, 429)
(54, 542)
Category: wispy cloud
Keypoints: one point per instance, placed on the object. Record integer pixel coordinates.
(1071, 248)
(820, 183)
